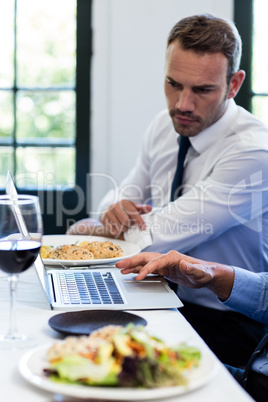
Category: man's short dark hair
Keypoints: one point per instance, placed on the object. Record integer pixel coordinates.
(206, 33)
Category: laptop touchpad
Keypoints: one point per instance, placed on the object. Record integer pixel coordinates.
(134, 286)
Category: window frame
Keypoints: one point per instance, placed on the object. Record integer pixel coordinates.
(243, 18)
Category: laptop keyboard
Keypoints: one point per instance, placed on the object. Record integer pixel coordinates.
(89, 288)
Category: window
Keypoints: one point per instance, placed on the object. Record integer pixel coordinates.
(250, 18)
(44, 103)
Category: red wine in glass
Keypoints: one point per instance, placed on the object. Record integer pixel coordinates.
(20, 241)
(17, 256)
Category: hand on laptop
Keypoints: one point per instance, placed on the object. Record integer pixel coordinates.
(182, 269)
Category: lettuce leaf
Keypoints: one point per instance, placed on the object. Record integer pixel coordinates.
(77, 368)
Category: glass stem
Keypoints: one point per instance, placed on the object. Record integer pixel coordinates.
(13, 280)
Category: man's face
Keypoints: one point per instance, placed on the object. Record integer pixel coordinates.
(196, 88)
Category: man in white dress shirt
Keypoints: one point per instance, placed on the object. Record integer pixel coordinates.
(223, 210)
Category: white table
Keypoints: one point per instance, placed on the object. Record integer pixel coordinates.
(33, 316)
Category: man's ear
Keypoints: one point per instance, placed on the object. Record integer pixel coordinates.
(235, 83)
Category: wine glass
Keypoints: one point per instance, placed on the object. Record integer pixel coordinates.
(20, 242)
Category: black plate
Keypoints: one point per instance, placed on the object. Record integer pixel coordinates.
(86, 321)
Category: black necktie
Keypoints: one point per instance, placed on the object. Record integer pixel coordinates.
(177, 181)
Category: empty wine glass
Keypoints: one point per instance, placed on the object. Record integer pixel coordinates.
(20, 241)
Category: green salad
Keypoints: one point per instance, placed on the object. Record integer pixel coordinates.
(121, 357)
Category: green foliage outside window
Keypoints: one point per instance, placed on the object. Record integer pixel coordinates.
(37, 90)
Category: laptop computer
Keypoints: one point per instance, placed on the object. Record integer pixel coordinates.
(98, 287)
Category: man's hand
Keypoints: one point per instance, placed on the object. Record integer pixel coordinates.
(90, 227)
(182, 269)
(123, 214)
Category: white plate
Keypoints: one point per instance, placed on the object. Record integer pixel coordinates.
(32, 364)
(58, 240)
